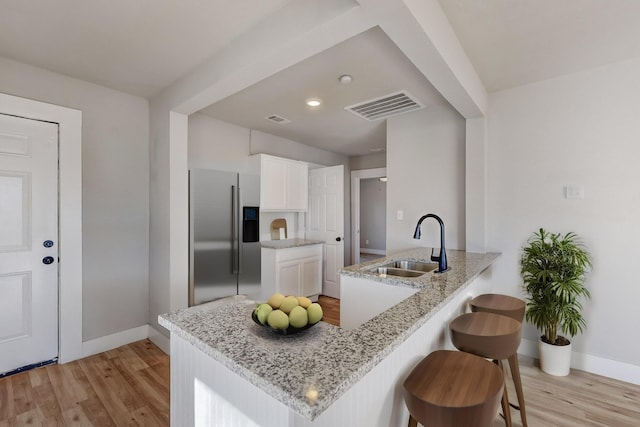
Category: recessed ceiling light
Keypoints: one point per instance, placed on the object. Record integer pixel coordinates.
(313, 102)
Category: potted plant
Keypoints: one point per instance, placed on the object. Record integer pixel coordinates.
(553, 268)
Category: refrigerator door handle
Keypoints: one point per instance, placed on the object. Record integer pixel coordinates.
(240, 219)
(234, 231)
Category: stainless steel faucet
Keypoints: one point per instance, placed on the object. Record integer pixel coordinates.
(442, 258)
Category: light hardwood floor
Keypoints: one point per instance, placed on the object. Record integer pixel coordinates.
(122, 387)
(330, 309)
(130, 386)
(577, 400)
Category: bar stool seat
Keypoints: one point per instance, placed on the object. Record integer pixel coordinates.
(514, 308)
(452, 389)
(499, 304)
(488, 335)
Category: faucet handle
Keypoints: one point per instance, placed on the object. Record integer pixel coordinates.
(433, 257)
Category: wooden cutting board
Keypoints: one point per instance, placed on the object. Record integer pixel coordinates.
(276, 225)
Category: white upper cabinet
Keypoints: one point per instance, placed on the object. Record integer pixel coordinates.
(298, 186)
(283, 184)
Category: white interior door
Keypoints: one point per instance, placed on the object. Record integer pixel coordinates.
(28, 242)
(326, 222)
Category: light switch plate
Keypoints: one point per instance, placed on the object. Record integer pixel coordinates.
(400, 215)
(573, 192)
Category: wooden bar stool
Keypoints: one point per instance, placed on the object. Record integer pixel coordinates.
(499, 304)
(452, 389)
(488, 335)
(514, 308)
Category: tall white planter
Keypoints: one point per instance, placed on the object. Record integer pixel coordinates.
(554, 359)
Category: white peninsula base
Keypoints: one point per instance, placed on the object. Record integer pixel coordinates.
(204, 392)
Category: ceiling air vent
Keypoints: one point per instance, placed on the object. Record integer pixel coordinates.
(278, 119)
(386, 106)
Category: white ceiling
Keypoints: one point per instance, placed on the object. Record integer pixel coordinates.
(142, 46)
(377, 67)
(135, 46)
(514, 42)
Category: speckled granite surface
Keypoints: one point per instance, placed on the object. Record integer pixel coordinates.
(309, 371)
(288, 243)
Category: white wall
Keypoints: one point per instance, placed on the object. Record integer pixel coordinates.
(368, 161)
(578, 129)
(115, 180)
(214, 144)
(426, 169)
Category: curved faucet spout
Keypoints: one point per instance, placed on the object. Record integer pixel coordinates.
(442, 258)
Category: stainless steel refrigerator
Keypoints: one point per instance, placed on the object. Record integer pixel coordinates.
(224, 235)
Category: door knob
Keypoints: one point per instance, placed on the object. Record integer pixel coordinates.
(47, 243)
(338, 239)
(47, 260)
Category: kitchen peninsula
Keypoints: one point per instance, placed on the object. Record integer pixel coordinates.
(226, 370)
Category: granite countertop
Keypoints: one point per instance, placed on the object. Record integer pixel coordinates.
(461, 266)
(288, 243)
(309, 371)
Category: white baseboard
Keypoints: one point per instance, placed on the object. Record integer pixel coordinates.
(596, 365)
(159, 339)
(109, 342)
(373, 251)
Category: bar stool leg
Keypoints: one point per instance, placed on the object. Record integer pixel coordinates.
(506, 410)
(517, 381)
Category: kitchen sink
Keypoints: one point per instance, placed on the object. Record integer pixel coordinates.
(389, 271)
(423, 267)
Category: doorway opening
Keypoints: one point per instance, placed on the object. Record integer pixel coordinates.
(368, 214)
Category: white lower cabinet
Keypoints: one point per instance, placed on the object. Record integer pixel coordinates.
(292, 271)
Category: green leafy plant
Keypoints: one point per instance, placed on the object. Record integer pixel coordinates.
(553, 268)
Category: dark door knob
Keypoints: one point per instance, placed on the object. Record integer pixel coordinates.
(47, 260)
(338, 239)
(47, 243)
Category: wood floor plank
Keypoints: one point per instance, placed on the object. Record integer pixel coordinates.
(22, 397)
(45, 399)
(330, 309)
(7, 408)
(145, 382)
(149, 352)
(30, 418)
(147, 417)
(70, 385)
(112, 389)
(92, 412)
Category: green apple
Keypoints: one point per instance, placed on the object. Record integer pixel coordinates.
(275, 300)
(314, 312)
(298, 317)
(304, 302)
(278, 319)
(288, 304)
(262, 312)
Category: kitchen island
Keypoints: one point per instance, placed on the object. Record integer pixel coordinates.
(226, 370)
